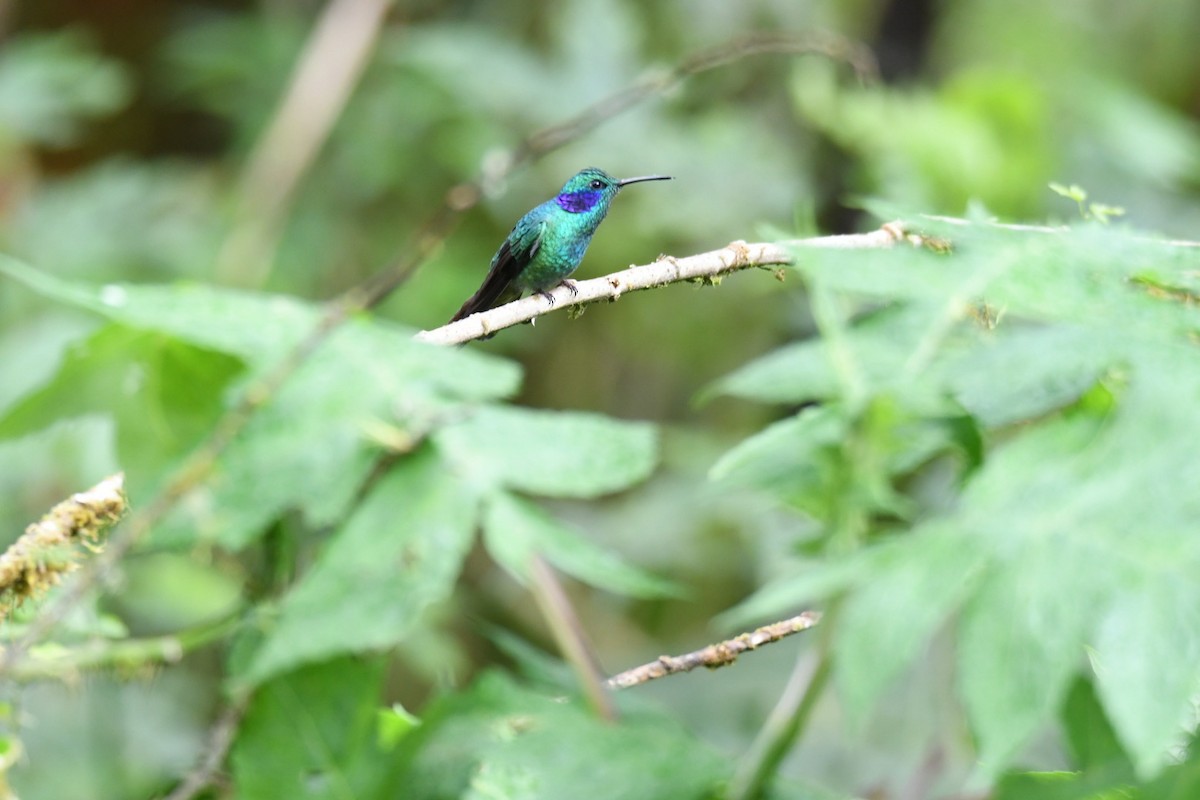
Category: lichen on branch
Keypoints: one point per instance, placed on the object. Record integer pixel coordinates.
(50, 547)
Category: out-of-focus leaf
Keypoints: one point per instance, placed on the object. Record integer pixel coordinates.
(307, 447)
(1081, 277)
(499, 735)
(170, 592)
(1022, 372)
(1099, 785)
(163, 393)
(1147, 662)
(795, 459)
(326, 715)
(888, 620)
(804, 371)
(556, 454)
(1091, 738)
(1070, 518)
(51, 84)
(515, 530)
(122, 218)
(816, 583)
(821, 458)
(398, 554)
(938, 150)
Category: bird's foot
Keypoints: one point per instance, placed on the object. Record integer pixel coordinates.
(564, 282)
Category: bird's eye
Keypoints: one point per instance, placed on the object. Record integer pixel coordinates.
(596, 184)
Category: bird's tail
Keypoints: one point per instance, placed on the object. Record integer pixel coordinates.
(488, 296)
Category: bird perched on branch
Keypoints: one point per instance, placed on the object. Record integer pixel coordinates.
(547, 244)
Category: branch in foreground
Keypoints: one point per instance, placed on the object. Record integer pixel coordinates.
(667, 269)
(715, 655)
(46, 551)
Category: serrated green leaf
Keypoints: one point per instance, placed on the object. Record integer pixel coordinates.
(804, 371)
(1082, 276)
(400, 553)
(515, 530)
(163, 393)
(888, 620)
(1021, 640)
(556, 454)
(1075, 520)
(263, 328)
(1022, 372)
(327, 716)
(307, 448)
(795, 459)
(1147, 662)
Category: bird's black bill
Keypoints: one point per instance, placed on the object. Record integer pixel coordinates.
(628, 181)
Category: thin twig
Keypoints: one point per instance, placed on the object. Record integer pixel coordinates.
(572, 641)
(666, 270)
(716, 655)
(459, 199)
(788, 718)
(213, 757)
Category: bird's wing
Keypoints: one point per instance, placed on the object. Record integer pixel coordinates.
(513, 256)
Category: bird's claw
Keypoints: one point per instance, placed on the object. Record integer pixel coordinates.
(564, 282)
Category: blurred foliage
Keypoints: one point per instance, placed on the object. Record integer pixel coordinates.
(981, 461)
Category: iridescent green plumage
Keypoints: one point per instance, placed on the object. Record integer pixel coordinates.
(547, 244)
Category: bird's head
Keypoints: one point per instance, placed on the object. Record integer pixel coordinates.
(591, 187)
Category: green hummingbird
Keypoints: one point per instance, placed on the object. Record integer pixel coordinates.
(547, 244)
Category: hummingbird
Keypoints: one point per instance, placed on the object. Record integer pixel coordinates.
(547, 244)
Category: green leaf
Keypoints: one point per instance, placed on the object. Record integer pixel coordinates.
(394, 724)
(1147, 662)
(804, 371)
(1064, 786)
(262, 329)
(1080, 277)
(400, 553)
(796, 459)
(1021, 641)
(515, 530)
(164, 395)
(1021, 372)
(311, 437)
(1091, 738)
(51, 84)
(556, 454)
(888, 620)
(1179, 781)
(499, 735)
(818, 581)
(1023, 632)
(326, 715)
(1078, 526)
